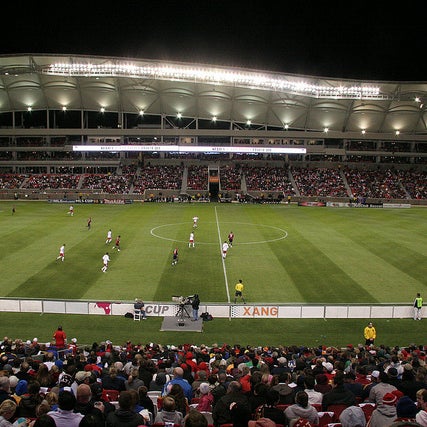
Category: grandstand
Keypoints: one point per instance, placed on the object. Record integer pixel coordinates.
(97, 125)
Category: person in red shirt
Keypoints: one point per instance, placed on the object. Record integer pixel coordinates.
(60, 338)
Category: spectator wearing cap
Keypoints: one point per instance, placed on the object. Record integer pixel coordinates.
(376, 393)
(374, 380)
(280, 366)
(339, 395)
(385, 413)
(72, 346)
(201, 377)
(406, 410)
(206, 398)
(314, 397)
(328, 370)
(30, 399)
(302, 409)
(393, 377)
(396, 364)
(82, 377)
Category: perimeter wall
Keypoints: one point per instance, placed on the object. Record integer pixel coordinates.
(243, 311)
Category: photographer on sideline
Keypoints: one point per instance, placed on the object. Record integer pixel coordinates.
(195, 303)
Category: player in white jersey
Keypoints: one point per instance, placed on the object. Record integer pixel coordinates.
(109, 237)
(105, 261)
(191, 240)
(195, 219)
(61, 255)
(225, 247)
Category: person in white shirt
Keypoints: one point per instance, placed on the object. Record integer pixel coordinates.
(195, 219)
(225, 247)
(105, 261)
(314, 397)
(191, 240)
(109, 237)
(61, 255)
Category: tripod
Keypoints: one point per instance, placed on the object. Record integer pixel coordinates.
(181, 313)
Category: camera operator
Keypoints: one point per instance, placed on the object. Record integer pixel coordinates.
(139, 305)
(195, 303)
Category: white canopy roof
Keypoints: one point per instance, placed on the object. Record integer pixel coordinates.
(266, 99)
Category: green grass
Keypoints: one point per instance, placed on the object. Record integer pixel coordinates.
(282, 253)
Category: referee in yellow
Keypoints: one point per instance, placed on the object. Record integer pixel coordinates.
(239, 291)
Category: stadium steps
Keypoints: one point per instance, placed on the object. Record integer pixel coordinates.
(294, 184)
(347, 187)
(81, 180)
(184, 180)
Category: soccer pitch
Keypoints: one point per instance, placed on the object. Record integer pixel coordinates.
(283, 254)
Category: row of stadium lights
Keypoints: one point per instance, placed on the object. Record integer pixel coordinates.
(215, 76)
(214, 119)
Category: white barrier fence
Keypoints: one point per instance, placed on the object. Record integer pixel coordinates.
(243, 311)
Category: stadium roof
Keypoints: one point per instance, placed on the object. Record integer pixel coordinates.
(268, 100)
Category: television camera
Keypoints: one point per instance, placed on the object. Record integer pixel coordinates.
(182, 311)
(183, 300)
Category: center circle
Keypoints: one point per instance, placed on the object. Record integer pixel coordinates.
(282, 234)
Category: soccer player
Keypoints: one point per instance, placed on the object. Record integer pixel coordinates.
(191, 240)
(117, 244)
(71, 210)
(230, 239)
(61, 255)
(105, 261)
(224, 249)
(109, 237)
(195, 219)
(89, 222)
(175, 257)
(239, 291)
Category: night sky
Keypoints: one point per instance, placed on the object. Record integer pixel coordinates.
(367, 40)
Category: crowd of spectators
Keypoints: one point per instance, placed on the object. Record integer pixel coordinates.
(267, 178)
(197, 178)
(378, 184)
(52, 181)
(383, 184)
(230, 178)
(224, 384)
(320, 182)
